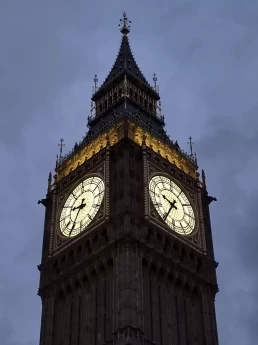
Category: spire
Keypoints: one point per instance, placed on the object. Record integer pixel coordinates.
(125, 64)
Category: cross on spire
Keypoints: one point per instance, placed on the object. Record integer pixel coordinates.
(124, 24)
(190, 142)
(61, 145)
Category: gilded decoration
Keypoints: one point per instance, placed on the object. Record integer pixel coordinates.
(164, 150)
(88, 151)
(115, 134)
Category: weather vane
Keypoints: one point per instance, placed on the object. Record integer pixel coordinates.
(124, 24)
(61, 145)
(190, 142)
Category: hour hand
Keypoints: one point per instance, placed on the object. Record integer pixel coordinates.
(80, 206)
(172, 203)
(76, 208)
(164, 197)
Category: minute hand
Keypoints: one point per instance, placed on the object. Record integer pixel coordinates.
(168, 212)
(79, 208)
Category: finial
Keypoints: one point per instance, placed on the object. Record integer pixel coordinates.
(156, 87)
(61, 147)
(190, 142)
(155, 80)
(124, 24)
(95, 87)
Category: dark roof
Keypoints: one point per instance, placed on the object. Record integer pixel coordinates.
(125, 64)
(125, 60)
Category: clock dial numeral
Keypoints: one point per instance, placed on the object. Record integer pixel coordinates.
(172, 204)
(81, 206)
(74, 195)
(64, 218)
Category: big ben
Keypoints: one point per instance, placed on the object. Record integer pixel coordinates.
(127, 253)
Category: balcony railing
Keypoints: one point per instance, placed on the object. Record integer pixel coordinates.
(94, 113)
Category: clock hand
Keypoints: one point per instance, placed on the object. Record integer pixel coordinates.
(79, 208)
(173, 204)
(167, 213)
(170, 202)
(164, 197)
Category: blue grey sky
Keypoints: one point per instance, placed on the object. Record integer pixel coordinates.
(205, 56)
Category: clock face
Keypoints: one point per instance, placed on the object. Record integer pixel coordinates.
(81, 206)
(172, 205)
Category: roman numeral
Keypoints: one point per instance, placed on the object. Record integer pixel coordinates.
(65, 217)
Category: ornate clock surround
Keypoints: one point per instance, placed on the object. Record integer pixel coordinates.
(98, 165)
(175, 202)
(157, 165)
(84, 209)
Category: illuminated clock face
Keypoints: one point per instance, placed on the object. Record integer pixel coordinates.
(81, 206)
(172, 205)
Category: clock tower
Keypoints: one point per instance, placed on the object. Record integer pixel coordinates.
(127, 252)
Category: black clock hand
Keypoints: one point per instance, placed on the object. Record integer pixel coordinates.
(167, 213)
(164, 197)
(173, 204)
(170, 202)
(79, 208)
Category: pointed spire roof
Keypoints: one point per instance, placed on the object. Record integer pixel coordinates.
(125, 63)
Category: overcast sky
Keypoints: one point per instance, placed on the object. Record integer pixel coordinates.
(205, 56)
